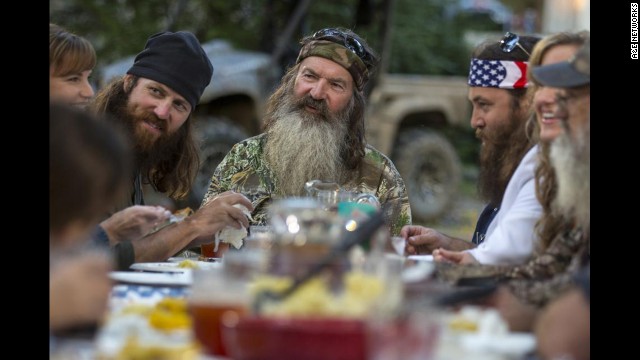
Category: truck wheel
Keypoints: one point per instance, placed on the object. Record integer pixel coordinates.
(431, 171)
(216, 136)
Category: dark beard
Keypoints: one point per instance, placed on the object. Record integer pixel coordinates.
(302, 146)
(499, 157)
(149, 150)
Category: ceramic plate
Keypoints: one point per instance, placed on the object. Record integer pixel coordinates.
(172, 267)
(179, 278)
(178, 259)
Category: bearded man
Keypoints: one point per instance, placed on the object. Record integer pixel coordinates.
(314, 130)
(504, 232)
(153, 103)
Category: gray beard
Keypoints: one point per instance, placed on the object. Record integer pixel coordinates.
(302, 146)
(571, 161)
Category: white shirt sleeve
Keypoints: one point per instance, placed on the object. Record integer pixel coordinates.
(510, 237)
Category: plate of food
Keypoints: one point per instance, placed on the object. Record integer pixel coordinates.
(174, 267)
(152, 278)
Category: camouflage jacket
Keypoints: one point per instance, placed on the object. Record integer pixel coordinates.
(542, 278)
(551, 272)
(244, 170)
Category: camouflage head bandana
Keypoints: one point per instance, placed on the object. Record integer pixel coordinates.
(339, 54)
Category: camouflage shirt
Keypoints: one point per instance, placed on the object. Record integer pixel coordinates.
(245, 170)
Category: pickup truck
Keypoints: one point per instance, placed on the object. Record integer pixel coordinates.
(406, 117)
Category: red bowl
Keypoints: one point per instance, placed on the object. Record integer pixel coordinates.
(256, 338)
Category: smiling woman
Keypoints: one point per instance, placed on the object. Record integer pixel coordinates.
(71, 61)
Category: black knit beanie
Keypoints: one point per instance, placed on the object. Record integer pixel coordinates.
(176, 60)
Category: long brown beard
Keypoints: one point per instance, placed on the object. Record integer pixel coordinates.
(302, 146)
(571, 161)
(171, 164)
(149, 150)
(499, 157)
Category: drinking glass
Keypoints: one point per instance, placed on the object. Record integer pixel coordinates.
(221, 296)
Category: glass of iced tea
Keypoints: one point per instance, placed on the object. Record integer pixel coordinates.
(220, 296)
(216, 298)
(208, 251)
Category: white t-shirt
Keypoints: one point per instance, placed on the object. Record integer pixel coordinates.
(510, 238)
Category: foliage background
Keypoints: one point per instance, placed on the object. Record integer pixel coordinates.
(424, 39)
(426, 36)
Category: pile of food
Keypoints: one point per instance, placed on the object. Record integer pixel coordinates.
(141, 332)
(188, 264)
(315, 298)
(479, 320)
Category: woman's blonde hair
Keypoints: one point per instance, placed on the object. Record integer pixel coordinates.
(550, 224)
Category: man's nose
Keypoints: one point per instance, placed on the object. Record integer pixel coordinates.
(162, 109)
(318, 91)
(476, 120)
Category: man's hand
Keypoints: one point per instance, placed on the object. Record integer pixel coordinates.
(218, 213)
(423, 240)
(456, 257)
(134, 222)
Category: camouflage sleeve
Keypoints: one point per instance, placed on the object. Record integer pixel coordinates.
(215, 185)
(243, 170)
(554, 260)
(221, 180)
(540, 292)
(392, 193)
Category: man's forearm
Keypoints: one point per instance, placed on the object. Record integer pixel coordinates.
(163, 244)
(456, 244)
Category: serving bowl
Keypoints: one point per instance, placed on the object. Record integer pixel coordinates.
(266, 338)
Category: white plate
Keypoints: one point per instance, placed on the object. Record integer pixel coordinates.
(136, 277)
(178, 259)
(172, 266)
(513, 344)
(420, 257)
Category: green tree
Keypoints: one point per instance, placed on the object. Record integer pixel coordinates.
(423, 41)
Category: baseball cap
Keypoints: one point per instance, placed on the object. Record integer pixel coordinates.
(571, 73)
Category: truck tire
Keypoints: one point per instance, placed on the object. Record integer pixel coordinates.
(216, 136)
(431, 171)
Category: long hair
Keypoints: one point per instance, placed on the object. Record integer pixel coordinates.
(69, 53)
(353, 151)
(174, 173)
(551, 223)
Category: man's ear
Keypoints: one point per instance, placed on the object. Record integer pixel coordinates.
(127, 80)
(525, 105)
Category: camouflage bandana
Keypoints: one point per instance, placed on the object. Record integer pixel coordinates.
(339, 54)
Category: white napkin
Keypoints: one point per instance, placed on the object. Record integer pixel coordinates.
(232, 235)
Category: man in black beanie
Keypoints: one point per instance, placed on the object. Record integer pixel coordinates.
(153, 102)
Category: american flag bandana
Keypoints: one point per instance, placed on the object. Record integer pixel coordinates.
(501, 74)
